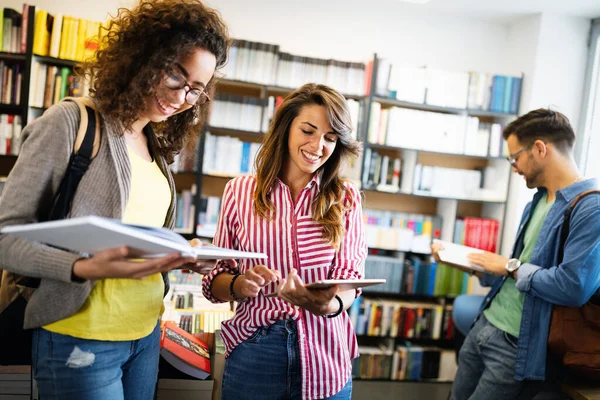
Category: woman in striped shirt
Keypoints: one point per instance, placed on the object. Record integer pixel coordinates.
(297, 210)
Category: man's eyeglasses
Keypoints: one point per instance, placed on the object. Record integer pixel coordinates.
(175, 81)
(513, 158)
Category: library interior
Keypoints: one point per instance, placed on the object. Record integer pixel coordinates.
(429, 88)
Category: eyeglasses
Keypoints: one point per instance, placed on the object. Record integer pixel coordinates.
(175, 81)
(513, 158)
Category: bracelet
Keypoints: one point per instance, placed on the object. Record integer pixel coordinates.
(340, 310)
(231, 292)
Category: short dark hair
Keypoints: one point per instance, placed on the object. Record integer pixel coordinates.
(543, 124)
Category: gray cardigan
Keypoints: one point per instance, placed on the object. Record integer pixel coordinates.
(47, 144)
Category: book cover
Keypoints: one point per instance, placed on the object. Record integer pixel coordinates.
(184, 351)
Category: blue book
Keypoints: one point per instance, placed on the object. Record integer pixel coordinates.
(245, 164)
(508, 82)
(515, 95)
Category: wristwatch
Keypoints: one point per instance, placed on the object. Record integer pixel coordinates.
(512, 265)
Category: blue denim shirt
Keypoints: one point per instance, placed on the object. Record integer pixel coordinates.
(571, 283)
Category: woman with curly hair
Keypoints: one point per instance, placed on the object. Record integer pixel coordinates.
(308, 221)
(95, 320)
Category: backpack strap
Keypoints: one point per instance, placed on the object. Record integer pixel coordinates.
(564, 231)
(85, 149)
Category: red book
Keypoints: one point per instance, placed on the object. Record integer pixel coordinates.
(184, 351)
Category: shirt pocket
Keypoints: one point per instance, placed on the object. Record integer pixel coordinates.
(314, 252)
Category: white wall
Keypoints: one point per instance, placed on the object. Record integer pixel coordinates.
(552, 51)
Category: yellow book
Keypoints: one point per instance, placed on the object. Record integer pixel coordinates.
(73, 39)
(92, 38)
(40, 33)
(81, 35)
(62, 53)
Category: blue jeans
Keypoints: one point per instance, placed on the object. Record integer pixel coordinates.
(266, 366)
(67, 367)
(486, 367)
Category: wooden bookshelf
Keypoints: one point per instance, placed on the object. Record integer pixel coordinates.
(4, 56)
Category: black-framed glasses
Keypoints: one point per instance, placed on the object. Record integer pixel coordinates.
(513, 158)
(175, 81)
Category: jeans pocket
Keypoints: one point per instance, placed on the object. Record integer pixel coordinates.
(513, 341)
(255, 336)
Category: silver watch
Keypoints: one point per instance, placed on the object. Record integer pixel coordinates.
(512, 265)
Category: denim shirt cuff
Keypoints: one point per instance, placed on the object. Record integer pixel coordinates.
(525, 275)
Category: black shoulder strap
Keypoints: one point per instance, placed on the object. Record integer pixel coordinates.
(78, 165)
(564, 231)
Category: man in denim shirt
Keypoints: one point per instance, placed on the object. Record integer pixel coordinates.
(504, 354)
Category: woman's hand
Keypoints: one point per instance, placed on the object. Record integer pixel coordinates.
(318, 302)
(253, 280)
(114, 263)
(204, 266)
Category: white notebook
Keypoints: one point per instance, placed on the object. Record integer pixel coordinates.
(457, 254)
(93, 234)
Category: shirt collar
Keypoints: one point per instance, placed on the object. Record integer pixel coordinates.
(570, 192)
(316, 180)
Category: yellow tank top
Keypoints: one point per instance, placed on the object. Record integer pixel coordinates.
(126, 309)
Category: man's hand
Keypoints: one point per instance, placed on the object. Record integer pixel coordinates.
(318, 302)
(435, 249)
(493, 263)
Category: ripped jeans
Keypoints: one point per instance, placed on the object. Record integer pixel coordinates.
(67, 367)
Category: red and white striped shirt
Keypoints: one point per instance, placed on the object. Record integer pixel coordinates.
(292, 239)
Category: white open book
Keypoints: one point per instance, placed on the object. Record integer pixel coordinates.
(93, 234)
(457, 254)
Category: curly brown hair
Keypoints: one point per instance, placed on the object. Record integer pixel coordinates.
(138, 46)
(333, 198)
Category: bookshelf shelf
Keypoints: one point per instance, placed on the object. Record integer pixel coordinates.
(437, 153)
(373, 339)
(4, 56)
(59, 62)
(10, 108)
(427, 196)
(389, 102)
(408, 297)
(215, 130)
(282, 91)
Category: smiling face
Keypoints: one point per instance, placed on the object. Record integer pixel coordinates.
(194, 71)
(311, 141)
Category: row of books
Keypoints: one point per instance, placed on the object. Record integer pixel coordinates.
(228, 155)
(185, 210)
(372, 317)
(386, 173)
(237, 112)
(11, 78)
(400, 231)
(205, 321)
(498, 93)
(481, 233)
(447, 182)
(65, 37)
(13, 30)
(426, 85)
(408, 362)
(411, 275)
(432, 131)
(10, 134)
(265, 64)
(50, 84)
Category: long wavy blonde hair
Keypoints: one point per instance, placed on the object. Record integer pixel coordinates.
(329, 206)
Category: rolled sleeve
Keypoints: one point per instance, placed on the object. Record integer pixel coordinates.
(350, 258)
(224, 237)
(525, 276)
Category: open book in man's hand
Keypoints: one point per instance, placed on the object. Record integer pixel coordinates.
(456, 254)
(93, 234)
